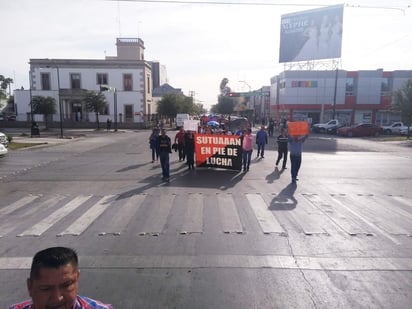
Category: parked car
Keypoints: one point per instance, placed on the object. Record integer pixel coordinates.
(362, 129)
(395, 128)
(11, 118)
(405, 131)
(1, 117)
(4, 140)
(3, 150)
(328, 127)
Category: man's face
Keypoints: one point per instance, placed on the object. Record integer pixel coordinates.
(55, 288)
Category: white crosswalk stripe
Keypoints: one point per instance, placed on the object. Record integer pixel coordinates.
(153, 215)
(55, 217)
(265, 217)
(81, 224)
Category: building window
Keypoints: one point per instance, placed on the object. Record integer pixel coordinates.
(386, 86)
(127, 82)
(350, 86)
(148, 84)
(45, 81)
(101, 79)
(75, 81)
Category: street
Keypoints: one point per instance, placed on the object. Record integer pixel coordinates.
(339, 238)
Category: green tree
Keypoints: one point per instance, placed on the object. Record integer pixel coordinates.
(4, 83)
(402, 103)
(225, 105)
(44, 106)
(95, 102)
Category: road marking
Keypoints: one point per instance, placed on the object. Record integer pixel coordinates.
(124, 214)
(228, 261)
(159, 211)
(18, 204)
(81, 224)
(193, 219)
(48, 222)
(266, 219)
(228, 214)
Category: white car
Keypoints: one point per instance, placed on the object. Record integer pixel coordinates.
(3, 150)
(3, 140)
(405, 131)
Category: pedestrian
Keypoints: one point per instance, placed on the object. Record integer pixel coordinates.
(164, 149)
(54, 280)
(282, 141)
(247, 149)
(180, 141)
(152, 142)
(108, 124)
(271, 127)
(190, 149)
(261, 141)
(296, 145)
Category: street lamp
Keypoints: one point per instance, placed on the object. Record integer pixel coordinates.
(60, 103)
(243, 81)
(114, 90)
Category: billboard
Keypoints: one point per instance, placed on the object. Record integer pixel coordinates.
(311, 35)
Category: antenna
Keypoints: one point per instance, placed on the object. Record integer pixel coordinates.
(118, 18)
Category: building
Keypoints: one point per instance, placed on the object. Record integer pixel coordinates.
(350, 96)
(128, 76)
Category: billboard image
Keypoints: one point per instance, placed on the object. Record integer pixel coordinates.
(311, 35)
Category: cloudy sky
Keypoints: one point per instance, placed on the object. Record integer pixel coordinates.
(200, 43)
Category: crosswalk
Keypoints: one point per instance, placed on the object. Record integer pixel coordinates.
(37, 215)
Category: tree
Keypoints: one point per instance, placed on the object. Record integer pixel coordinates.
(402, 102)
(225, 105)
(44, 106)
(4, 83)
(95, 102)
(173, 103)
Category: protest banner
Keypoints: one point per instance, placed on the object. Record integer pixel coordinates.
(219, 151)
(191, 125)
(296, 128)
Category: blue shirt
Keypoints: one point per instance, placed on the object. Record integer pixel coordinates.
(296, 145)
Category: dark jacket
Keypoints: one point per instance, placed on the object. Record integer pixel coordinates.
(282, 143)
(164, 144)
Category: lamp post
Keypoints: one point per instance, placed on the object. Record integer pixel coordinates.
(243, 81)
(31, 102)
(115, 109)
(60, 103)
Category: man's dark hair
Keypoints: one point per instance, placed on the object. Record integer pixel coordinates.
(53, 257)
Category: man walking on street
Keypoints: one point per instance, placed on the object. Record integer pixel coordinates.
(164, 148)
(296, 145)
(282, 141)
(261, 141)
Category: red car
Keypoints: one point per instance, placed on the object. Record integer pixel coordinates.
(362, 129)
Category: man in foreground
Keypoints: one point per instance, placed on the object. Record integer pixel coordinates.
(53, 282)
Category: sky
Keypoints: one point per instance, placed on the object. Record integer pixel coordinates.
(199, 43)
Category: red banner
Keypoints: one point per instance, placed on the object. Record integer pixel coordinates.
(218, 150)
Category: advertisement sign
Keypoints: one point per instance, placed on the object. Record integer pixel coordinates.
(219, 151)
(297, 128)
(311, 35)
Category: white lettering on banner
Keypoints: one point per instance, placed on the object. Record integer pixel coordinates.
(219, 161)
(218, 140)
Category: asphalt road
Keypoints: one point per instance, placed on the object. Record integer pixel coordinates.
(340, 238)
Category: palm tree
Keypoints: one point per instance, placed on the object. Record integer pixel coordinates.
(45, 106)
(95, 102)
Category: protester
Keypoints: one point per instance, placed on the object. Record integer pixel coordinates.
(271, 127)
(247, 149)
(164, 149)
(296, 146)
(282, 141)
(152, 141)
(261, 141)
(180, 141)
(190, 149)
(54, 280)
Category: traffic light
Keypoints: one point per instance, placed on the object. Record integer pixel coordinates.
(234, 94)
